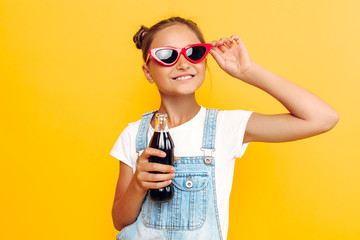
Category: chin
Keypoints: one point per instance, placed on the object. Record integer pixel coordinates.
(188, 88)
(178, 92)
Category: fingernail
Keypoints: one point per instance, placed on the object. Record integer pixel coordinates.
(163, 154)
(172, 169)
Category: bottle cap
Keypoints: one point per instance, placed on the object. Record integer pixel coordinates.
(161, 116)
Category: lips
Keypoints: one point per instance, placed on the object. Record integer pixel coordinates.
(183, 77)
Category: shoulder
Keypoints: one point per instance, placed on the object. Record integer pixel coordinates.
(233, 123)
(124, 147)
(233, 116)
(132, 127)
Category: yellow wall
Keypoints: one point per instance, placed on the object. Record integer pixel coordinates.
(71, 80)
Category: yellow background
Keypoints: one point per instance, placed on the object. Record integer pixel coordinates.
(71, 80)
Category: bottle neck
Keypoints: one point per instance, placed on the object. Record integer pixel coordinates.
(161, 125)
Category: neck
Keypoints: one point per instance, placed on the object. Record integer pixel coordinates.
(179, 109)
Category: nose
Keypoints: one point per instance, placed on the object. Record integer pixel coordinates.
(182, 63)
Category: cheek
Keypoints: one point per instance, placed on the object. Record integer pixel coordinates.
(160, 76)
(201, 76)
(202, 71)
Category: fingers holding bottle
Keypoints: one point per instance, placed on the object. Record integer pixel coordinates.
(150, 175)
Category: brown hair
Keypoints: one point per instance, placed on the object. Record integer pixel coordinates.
(145, 36)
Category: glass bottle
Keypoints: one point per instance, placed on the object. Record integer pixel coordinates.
(162, 140)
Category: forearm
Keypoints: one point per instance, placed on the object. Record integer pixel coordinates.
(297, 100)
(126, 209)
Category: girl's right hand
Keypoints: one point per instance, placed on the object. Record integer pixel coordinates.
(144, 179)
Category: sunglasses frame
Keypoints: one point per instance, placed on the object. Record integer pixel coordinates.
(152, 52)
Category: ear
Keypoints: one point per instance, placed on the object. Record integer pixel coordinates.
(147, 74)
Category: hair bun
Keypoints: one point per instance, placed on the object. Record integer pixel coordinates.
(139, 36)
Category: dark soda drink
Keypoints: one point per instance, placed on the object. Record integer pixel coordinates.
(162, 140)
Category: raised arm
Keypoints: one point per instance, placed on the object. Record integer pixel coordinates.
(308, 114)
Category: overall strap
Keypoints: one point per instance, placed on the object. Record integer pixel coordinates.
(208, 144)
(142, 134)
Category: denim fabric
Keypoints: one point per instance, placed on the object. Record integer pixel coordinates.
(192, 212)
(141, 137)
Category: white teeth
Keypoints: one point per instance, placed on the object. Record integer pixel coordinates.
(183, 78)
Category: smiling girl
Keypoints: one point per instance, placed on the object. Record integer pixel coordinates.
(207, 141)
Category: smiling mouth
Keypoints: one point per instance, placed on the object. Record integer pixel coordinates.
(183, 78)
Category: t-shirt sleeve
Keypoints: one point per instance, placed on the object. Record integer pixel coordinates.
(234, 125)
(243, 120)
(122, 148)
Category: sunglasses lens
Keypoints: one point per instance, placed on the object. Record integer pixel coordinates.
(167, 55)
(196, 53)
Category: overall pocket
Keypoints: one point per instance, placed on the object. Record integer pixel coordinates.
(186, 210)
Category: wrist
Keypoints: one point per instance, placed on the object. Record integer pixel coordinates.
(138, 188)
(249, 73)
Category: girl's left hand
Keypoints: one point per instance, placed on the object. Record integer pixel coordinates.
(232, 56)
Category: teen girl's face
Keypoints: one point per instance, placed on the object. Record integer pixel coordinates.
(183, 77)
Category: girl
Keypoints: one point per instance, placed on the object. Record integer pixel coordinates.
(207, 141)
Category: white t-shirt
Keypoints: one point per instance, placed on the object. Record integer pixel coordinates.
(187, 138)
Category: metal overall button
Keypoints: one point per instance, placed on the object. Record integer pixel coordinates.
(207, 160)
(189, 183)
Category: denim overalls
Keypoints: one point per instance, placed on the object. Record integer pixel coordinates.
(192, 213)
